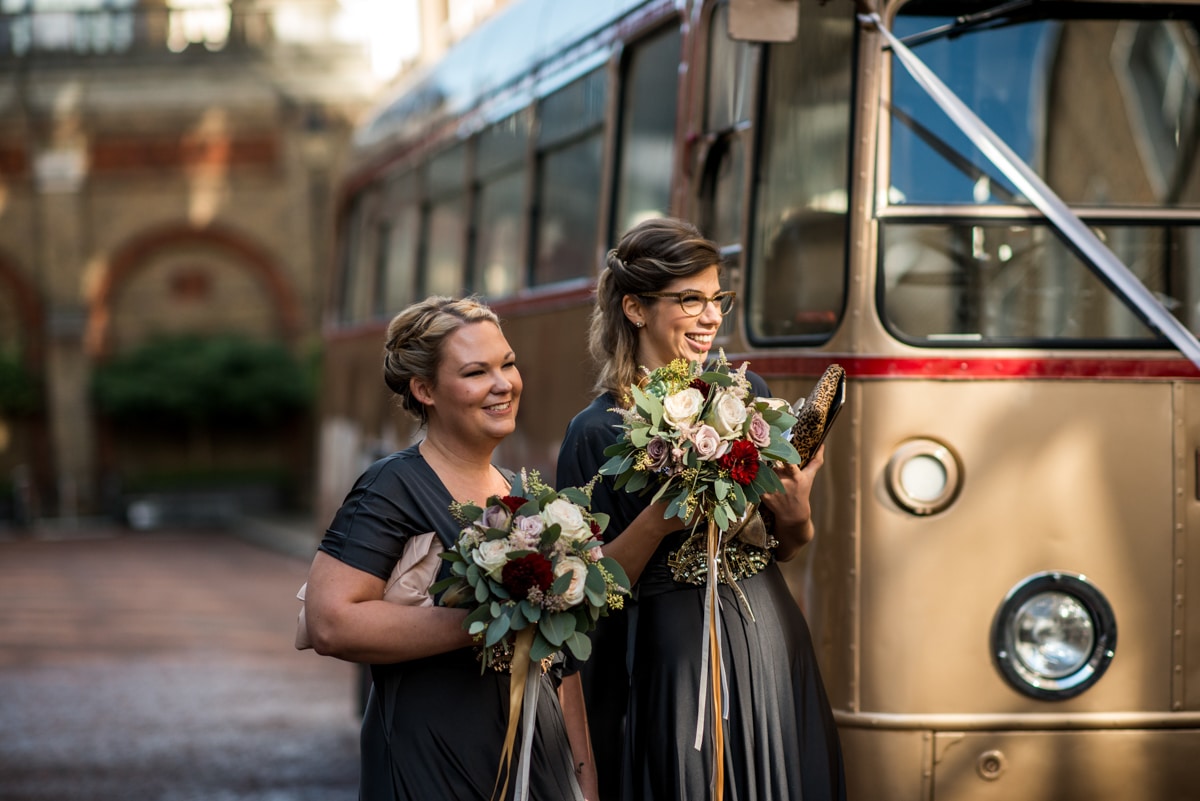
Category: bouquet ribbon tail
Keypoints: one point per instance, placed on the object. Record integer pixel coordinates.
(516, 695)
(712, 667)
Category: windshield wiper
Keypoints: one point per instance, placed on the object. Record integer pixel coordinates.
(1000, 15)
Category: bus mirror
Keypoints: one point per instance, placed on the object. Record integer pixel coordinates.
(764, 20)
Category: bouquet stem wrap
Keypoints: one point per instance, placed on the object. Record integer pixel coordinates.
(522, 695)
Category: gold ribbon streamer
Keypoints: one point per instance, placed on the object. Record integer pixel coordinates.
(516, 694)
(715, 665)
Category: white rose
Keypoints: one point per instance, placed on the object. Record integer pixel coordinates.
(492, 556)
(728, 415)
(569, 518)
(578, 570)
(682, 407)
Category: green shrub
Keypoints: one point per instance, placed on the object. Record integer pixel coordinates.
(18, 388)
(203, 383)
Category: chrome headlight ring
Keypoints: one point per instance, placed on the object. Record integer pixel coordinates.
(1053, 636)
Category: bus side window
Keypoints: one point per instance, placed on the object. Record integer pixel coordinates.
(445, 224)
(396, 279)
(729, 80)
(570, 152)
(797, 278)
(500, 202)
(647, 140)
(360, 234)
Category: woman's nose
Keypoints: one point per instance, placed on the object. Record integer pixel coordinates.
(500, 382)
(711, 314)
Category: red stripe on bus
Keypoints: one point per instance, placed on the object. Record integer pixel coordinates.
(976, 368)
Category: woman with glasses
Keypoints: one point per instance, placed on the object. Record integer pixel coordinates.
(659, 298)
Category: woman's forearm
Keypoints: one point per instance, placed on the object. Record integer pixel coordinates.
(640, 539)
(570, 697)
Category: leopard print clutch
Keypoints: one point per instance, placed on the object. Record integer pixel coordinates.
(815, 414)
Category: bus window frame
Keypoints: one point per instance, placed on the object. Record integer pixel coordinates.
(622, 64)
(750, 262)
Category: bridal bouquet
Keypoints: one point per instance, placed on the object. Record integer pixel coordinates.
(531, 562)
(702, 436)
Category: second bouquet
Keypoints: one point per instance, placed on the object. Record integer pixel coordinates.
(529, 565)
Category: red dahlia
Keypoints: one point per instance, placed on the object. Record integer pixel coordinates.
(524, 573)
(741, 461)
(701, 385)
(513, 502)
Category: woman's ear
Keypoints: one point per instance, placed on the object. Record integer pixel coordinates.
(635, 312)
(421, 390)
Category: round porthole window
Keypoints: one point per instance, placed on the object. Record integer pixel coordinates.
(923, 476)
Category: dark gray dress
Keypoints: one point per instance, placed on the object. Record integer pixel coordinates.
(781, 743)
(434, 728)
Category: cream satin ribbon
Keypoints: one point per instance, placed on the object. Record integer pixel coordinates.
(522, 695)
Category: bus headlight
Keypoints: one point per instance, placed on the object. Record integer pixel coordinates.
(1054, 636)
(923, 476)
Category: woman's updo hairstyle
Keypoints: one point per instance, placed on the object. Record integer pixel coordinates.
(651, 255)
(414, 343)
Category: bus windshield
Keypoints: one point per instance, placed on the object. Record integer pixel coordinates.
(1106, 109)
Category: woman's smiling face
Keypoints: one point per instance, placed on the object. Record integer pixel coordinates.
(670, 333)
(478, 385)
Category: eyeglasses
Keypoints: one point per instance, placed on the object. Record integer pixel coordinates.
(694, 303)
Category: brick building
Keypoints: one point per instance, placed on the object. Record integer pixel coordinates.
(166, 167)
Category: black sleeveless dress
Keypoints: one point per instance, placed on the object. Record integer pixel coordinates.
(434, 728)
(781, 743)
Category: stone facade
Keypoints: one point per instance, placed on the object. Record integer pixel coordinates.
(150, 185)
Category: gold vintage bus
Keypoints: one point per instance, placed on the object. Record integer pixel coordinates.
(1005, 584)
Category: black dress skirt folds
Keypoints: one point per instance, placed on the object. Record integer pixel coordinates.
(434, 728)
(781, 743)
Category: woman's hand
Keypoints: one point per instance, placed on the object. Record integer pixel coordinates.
(641, 539)
(793, 513)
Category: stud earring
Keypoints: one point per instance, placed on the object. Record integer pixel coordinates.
(639, 324)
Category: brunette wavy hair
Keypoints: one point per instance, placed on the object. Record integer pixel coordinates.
(649, 256)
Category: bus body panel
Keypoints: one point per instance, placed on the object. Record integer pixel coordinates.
(1040, 490)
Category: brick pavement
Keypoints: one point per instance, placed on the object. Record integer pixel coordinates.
(160, 665)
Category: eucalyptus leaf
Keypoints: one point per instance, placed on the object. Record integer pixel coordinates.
(637, 481)
(557, 627)
(721, 517)
(444, 584)
(561, 584)
(541, 648)
(575, 496)
(479, 613)
(518, 620)
(496, 630)
(580, 646)
(618, 572)
(530, 612)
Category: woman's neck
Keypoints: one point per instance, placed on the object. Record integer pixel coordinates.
(466, 472)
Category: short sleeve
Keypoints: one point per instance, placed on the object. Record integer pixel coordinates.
(389, 503)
